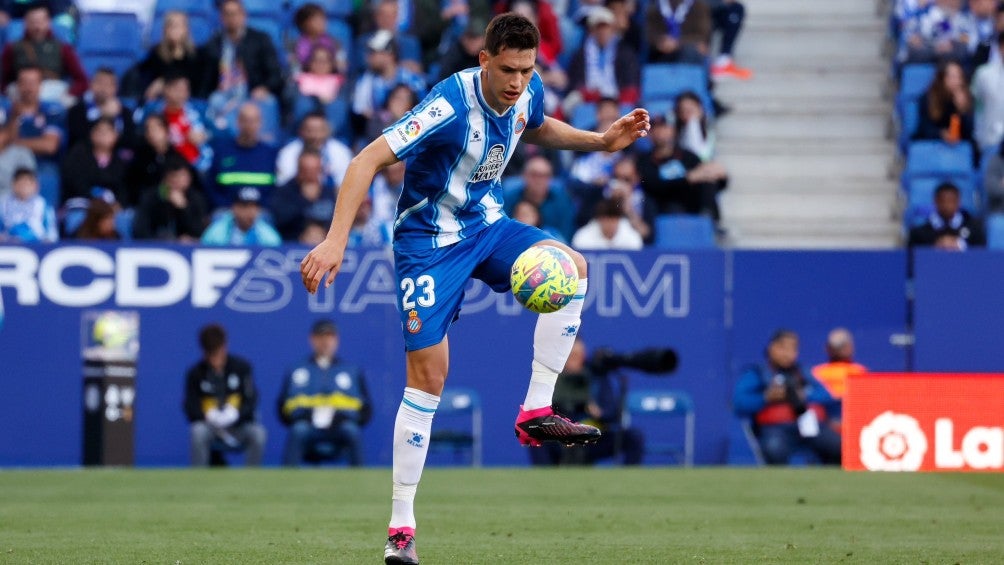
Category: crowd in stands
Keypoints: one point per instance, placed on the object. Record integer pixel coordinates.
(950, 108)
(233, 122)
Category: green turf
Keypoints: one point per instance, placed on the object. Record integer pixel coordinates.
(603, 515)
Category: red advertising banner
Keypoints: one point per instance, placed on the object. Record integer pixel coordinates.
(924, 422)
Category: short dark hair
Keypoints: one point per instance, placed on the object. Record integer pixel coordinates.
(173, 77)
(310, 152)
(305, 12)
(946, 187)
(105, 71)
(212, 337)
(782, 333)
(312, 115)
(174, 163)
(609, 208)
(510, 31)
(23, 172)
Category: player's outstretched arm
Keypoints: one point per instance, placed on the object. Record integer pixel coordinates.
(325, 259)
(556, 134)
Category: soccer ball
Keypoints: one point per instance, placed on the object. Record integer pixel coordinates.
(544, 279)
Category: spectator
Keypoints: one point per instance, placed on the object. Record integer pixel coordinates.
(675, 179)
(839, 366)
(626, 25)
(312, 24)
(946, 111)
(986, 51)
(239, 62)
(679, 31)
(146, 169)
(727, 18)
(325, 403)
(988, 93)
(993, 181)
(174, 211)
(34, 124)
(588, 389)
(242, 159)
(314, 133)
(463, 54)
(25, 216)
(242, 224)
(18, 9)
(313, 232)
(625, 189)
(368, 231)
(101, 101)
(608, 229)
(940, 33)
(175, 55)
(983, 13)
(604, 67)
(528, 213)
(99, 222)
(695, 134)
(592, 171)
(386, 17)
(556, 209)
(308, 191)
(400, 100)
(788, 409)
(12, 155)
(56, 61)
(319, 78)
(948, 227)
(187, 132)
(543, 16)
(220, 402)
(382, 74)
(94, 162)
(385, 192)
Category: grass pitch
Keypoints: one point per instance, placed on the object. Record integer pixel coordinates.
(538, 516)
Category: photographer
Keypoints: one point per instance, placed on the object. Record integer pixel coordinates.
(788, 408)
(591, 389)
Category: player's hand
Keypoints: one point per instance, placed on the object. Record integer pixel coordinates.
(322, 263)
(626, 130)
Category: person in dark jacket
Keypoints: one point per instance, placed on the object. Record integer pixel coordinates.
(325, 403)
(95, 162)
(308, 192)
(174, 211)
(220, 402)
(604, 67)
(788, 407)
(101, 101)
(240, 57)
(945, 113)
(174, 55)
(949, 227)
(146, 169)
(40, 48)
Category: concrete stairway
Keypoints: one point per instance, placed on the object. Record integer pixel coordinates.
(805, 143)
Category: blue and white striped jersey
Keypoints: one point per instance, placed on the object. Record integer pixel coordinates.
(455, 148)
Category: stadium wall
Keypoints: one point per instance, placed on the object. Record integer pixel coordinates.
(715, 307)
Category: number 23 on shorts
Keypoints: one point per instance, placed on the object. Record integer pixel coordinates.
(424, 285)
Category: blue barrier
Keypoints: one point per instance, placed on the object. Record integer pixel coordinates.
(716, 308)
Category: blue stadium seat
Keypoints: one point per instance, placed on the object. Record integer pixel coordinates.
(995, 231)
(666, 81)
(336, 8)
(920, 196)
(112, 33)
(649, 411)
(584, 116)
(265, 9)
(458, 425)
(341, 31)
(937, 158)
(571, 39)
(190, 7)
(120, 63)
(49, 184)
(680, 231)
(909, 119)
(915, 80)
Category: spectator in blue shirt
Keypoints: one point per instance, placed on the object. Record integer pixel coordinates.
(243, 159)
(310, 190)
(243, 224)
(24, 215)
(383, 72)
(556, 209)
(35, 124)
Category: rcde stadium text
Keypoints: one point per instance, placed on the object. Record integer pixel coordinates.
(266, 280)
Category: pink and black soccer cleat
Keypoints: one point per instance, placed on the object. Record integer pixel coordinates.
(400, 548)
(534, 427)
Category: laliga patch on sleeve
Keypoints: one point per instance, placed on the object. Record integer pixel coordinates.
(420, 121)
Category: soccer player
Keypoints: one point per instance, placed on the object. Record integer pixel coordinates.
(450, 227)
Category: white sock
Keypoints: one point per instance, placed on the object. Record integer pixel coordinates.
(722, 60)
(411, 443)
(552, 342)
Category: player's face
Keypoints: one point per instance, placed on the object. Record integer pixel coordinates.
(505, 76)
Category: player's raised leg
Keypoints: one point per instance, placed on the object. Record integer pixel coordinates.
(552, 342)
(427, 370)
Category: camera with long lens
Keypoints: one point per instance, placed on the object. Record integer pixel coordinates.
(652, 360)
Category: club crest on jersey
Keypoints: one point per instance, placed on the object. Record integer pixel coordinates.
(520, 124)
(414, 323)
(492, 165)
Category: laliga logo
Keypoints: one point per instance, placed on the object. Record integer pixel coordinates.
(893, 442)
